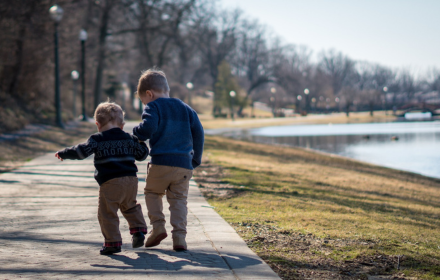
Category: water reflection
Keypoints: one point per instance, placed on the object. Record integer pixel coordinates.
(417, 148)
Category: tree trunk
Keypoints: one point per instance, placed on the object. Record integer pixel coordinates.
(101, 52)
(19, 50)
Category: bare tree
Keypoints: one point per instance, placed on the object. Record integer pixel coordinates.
(407, 84)
(433, 79)
(367, 84)
(292, 69)
(217, 40)
(156, 24)
(105, 7)
(342, 74)
(251, 59)
(340, 68)
(348, 95)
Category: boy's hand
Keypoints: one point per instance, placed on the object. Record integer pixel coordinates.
(58, 156)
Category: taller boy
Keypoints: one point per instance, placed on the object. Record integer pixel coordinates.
(176, 145)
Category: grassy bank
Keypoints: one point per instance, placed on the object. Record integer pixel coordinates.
(311, 215)
(263, 120)
(14, 153)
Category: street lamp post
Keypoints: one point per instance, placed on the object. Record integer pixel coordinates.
(189, 86)
(56, 13)
(75, 75)
(273, 99)
(298, 101)
(306, 92)
(337, 103)
(320, 100)
(385, 89)
(83, 38)
(232, 95)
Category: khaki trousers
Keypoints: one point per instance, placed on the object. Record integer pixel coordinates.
(174, 182)
(119, 193)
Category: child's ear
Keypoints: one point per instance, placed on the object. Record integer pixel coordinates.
(98, 125)
(150, 94)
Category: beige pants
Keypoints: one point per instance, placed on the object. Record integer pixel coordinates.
(174, 182)
(119, 193)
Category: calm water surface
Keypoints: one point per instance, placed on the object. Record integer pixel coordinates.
(417, 148)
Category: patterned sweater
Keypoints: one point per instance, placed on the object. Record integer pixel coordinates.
(115, 153)
(175, 133)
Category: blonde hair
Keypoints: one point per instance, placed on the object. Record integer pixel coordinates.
(153, 79)
(109, 112)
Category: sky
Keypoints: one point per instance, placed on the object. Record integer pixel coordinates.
(394, 33)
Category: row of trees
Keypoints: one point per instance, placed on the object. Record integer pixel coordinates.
(193, 41)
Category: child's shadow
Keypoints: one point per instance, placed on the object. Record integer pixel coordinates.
(177, 260)
(144, 261)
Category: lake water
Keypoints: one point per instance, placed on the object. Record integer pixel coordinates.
(410, 146)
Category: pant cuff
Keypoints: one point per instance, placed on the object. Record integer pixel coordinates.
(138, 229)
(113, 244)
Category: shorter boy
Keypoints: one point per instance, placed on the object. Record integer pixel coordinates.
(115, 153)
(176, 142)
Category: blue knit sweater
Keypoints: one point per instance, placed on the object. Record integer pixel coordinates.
(175, 133)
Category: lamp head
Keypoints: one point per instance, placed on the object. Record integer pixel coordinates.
(74, 74)
(189, 85)
(232, 93)
(83, 35)
(56, 13)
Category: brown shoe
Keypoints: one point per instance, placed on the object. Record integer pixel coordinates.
(179, 243)
(156, 236)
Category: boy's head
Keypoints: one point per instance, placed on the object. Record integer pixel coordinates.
(109, 113)
(152, 85)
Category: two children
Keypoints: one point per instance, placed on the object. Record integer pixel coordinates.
(176, 139)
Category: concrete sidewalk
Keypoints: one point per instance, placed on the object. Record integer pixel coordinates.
(50, 231)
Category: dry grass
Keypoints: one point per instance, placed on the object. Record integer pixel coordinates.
(361, 117)
(13, 153)
(349, 213)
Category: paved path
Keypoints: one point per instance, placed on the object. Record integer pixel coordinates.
(49, 230)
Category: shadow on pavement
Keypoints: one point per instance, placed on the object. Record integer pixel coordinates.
(178, 260)
(27, 237)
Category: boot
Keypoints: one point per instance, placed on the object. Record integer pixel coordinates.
(156, 236)
(109, 250)
(137, 239)
(179, 243)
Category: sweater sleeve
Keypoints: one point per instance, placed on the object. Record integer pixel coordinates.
(80, 151)
(149, 124)
(198, 140)
(141, 149)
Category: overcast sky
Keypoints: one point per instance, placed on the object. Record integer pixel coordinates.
(394, 33)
